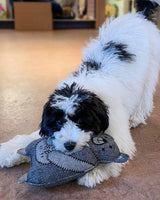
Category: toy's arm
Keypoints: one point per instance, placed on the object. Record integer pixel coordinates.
(68, 162)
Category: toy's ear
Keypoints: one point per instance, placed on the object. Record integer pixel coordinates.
(102, 139)
(98, 140)
(122, 158)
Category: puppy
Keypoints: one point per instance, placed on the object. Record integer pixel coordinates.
(111, 92)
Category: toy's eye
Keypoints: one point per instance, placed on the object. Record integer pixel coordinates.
(103, 149)
(110, 146)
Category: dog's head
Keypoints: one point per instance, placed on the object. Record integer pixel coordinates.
(71, 116)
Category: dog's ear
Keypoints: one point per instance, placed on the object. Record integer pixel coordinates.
(100, 113)
(42, 132)
(53, 120)
(43, 125)
(91, 114)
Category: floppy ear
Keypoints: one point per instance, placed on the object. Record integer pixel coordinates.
(91, 113)
(100, 115)
(43, 127)
(43, 132)
(51, 115)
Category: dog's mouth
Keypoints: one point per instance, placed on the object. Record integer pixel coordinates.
(59, 143)
(74, 150)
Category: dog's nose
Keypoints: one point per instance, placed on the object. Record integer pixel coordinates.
(69, 145)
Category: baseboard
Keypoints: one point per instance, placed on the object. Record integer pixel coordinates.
(57, 24)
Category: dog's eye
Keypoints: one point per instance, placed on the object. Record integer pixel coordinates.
(79, 121)
(59, 122)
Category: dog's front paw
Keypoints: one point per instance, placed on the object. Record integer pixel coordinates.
(89, 180)
(8, 153)
(99, 174)
(94, 177)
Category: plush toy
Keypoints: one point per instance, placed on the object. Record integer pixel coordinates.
(50, 167)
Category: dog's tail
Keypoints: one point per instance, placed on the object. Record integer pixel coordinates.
(148, 8)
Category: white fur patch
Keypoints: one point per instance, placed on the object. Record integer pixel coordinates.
(70, 132)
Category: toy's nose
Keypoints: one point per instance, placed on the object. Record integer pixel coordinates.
(69, 145)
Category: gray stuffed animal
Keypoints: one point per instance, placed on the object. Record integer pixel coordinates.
(50, 167)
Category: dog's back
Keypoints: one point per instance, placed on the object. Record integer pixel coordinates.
(130, 38)
(125, 60)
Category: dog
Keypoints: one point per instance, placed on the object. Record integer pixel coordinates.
(111, 91)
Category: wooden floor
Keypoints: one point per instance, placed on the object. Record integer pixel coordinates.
(31, 64)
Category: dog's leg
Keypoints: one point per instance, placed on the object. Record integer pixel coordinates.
(99, 174)
(145, 106)
(8, 150)
(119, 130)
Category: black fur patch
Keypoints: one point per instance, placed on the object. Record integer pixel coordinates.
(76, 73)
(147, 8)
(91, 114)
(66, 91)
(120, 50)
(88, 66)
(53, 120)
(91, 65)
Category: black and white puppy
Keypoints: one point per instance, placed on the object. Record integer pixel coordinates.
(72, 114)
(110, 92)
